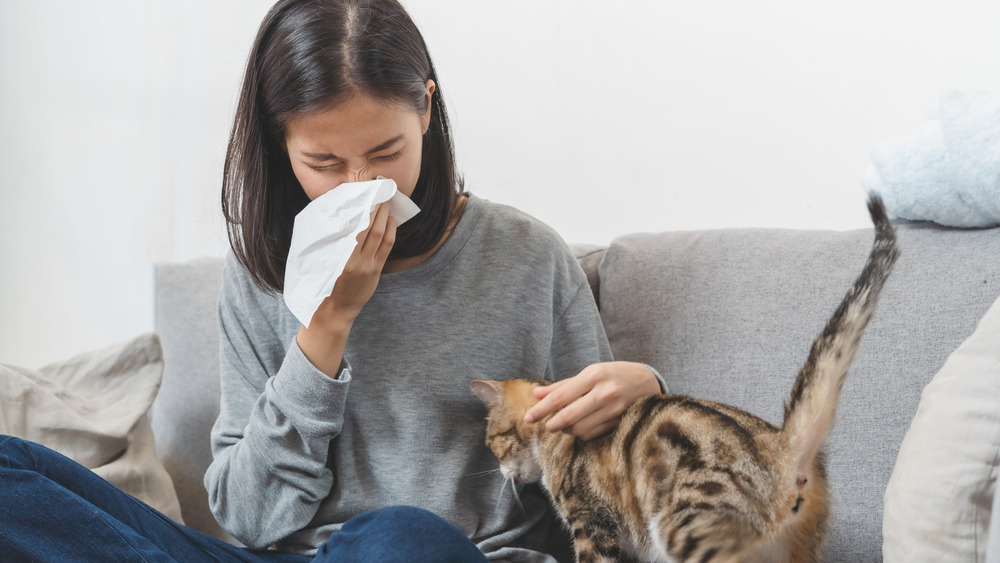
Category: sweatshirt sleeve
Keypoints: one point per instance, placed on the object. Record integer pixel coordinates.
(579, 339)
(278, 415)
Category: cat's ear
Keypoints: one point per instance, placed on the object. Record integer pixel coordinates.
(488, 391)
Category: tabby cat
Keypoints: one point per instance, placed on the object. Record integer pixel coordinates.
(681, 479)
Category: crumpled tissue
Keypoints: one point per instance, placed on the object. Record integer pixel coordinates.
(325, 234)
(949, 171)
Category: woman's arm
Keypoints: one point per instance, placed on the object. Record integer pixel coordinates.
(271, 441)
(591, 399)
(325, 340)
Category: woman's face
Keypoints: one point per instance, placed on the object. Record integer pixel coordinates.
(355, 141)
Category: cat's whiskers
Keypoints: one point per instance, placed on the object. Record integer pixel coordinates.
(517, 498)
(481, 473)
(500, 493)
(513, 488)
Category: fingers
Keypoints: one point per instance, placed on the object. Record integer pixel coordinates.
(590, 404)
(571, 399)
(576, 412)
(381, 233)
(597, 431)
(360, 276)
(587, 417)
(543, 391)
(600, 405)
(388, 240)
(554, 397)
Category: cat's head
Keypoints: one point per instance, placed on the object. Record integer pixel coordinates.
(507, 434)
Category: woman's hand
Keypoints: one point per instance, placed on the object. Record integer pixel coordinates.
(590, 403)
(324, 341)
(357, 283)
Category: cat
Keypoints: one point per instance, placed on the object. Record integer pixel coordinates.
(682, 479)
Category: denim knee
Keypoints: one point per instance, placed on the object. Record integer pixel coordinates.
(15, 454)
(400, 533)
(408, 520)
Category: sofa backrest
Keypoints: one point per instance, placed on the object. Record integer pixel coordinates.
(727, 315)
(188, 402)
(730, 316)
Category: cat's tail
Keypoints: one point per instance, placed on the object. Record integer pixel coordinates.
(809, 415)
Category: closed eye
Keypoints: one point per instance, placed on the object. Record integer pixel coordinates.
(339, 165)
(327, 168)
(390, 157)
(508, 431)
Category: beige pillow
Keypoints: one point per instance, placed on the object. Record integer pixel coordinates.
(92, 409)
(939, 498)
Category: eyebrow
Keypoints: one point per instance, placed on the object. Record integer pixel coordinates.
(322, 156)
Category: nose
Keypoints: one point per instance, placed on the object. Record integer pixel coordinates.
(363, 174)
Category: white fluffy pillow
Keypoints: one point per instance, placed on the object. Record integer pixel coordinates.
(939, 498)
(947, 171)
(92, 409)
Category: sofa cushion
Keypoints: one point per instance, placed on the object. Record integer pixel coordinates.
(92, 409)
(730, 315)
(188, 402)
(940, 495)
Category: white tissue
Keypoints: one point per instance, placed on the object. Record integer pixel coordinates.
(325, 234)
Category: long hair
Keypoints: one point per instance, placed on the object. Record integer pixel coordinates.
(310, 55)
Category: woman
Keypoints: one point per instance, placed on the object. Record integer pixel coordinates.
(357, 438)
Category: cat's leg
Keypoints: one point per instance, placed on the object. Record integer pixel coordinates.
(596, 535)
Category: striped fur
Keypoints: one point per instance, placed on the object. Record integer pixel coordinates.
(686, 480)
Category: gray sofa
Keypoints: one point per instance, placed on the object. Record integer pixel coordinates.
(727, 315)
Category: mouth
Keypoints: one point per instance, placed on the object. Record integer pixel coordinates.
(519, 477)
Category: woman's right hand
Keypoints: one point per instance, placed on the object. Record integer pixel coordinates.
(357, 283)
(323, 343)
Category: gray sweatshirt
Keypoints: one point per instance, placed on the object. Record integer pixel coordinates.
(297, 453)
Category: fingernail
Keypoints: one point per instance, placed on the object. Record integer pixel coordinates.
(529, 419)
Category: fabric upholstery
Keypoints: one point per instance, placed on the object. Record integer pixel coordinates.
(726, 315)
(188, 402)
(730, 315)
(939, 497)
(993, 539)
(92, 409)
(589, 256)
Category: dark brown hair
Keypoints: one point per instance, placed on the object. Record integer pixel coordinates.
(310, 55)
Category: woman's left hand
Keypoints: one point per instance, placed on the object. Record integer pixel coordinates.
(588, 404)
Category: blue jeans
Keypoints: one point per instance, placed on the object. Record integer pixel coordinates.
(54, 509)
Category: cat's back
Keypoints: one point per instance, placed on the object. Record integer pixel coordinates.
(705, 430)
(683, 463)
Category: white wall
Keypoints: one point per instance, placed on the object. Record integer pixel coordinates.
(648, 116)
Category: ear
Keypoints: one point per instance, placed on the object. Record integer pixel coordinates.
(425, 119)
(488, 391)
